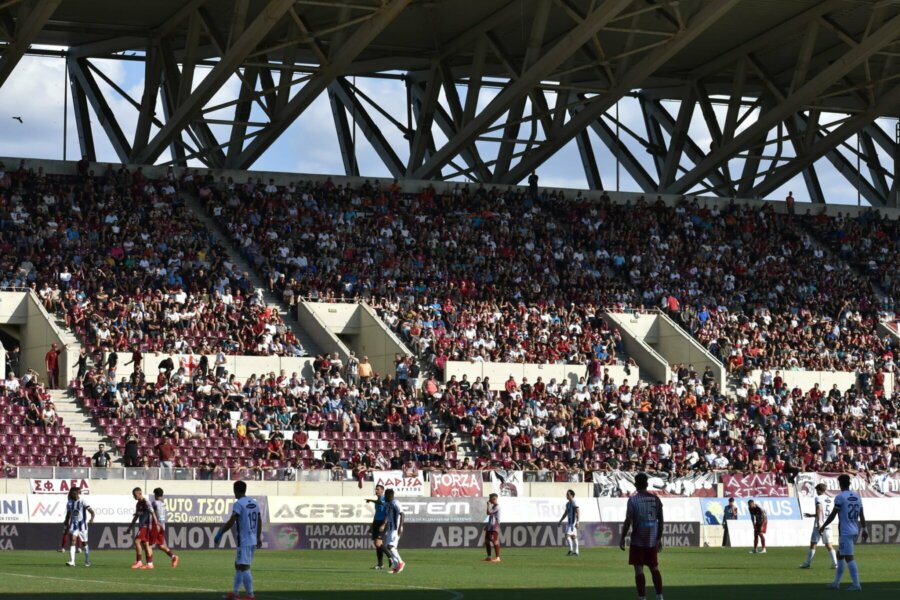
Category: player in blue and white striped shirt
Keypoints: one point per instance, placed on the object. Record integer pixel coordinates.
(393, 529)
(76, 525)
(572, 515)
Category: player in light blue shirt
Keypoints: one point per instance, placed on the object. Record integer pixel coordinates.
(76, 524)
(848, 506)
(245, 518)
(572, 515)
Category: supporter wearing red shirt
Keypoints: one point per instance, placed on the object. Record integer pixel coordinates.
(51, 361)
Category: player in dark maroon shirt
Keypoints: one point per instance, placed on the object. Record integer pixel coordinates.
(760, 523)
(645, 514)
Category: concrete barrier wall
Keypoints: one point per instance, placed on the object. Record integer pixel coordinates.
(241, 367)
(499, 372)
(805, 380)
(13, 308)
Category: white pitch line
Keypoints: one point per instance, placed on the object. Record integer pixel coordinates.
(454, 594)
(128, 584)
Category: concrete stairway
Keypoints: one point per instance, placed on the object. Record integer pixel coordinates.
(80, 425)
(290, 319)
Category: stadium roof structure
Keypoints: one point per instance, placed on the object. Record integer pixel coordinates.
(779, 85)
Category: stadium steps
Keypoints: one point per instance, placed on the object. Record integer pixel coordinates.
(81, 425)
(290, 319)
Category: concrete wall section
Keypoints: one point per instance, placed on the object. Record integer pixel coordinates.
(377, 341)
(38, 334)
(500, 372)
(806, 380)
(310, 316)
(676, 346)
(634, 328)
(13, 308)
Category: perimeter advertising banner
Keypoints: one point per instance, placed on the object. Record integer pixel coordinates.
(356, 510)
(13, 508)
(401, 484)
(444, 535)
(777, 509)
(51, 508)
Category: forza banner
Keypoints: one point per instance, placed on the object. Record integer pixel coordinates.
(453, 484)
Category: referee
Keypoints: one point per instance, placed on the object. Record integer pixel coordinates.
(377, 522)
(731, 513)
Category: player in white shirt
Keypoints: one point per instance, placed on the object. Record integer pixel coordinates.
(158, 533)
(571, 515)
(849, 507)
(393, 529)
(76, 524)
(824, 506)
(245, 518)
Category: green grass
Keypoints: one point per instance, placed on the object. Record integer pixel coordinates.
(695, 574)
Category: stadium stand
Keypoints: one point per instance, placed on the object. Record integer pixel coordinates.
(473, 274)
(31, 432)
(130, 266)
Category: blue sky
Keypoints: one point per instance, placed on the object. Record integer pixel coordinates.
(35, 92)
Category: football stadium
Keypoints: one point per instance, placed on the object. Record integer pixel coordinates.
(451, 299)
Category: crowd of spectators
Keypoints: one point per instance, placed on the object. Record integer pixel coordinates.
(344, 417)
(128, 265)
(502, 275)
(31, 431)
(678, 427)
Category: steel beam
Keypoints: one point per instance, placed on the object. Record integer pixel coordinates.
(657, 143)
(79, 70)
(450, 124)
(870, 155)
(153, 69)
(28, 25)
(589, 161)
(627, 159)
(344, 135)
(340, 60)
(82, 119)
(422, 138)
(341, 89)
(886, 34)
(711, 12)
(781, 34)
(200, 133)
(192, 107)
(242, 112)
(521, 86)
(829, 142)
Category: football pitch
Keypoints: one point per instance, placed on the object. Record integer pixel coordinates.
(695, 574)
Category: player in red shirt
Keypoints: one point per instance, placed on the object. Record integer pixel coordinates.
(760, 523)
(645, 514)
(146, 521)
(492, 529)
